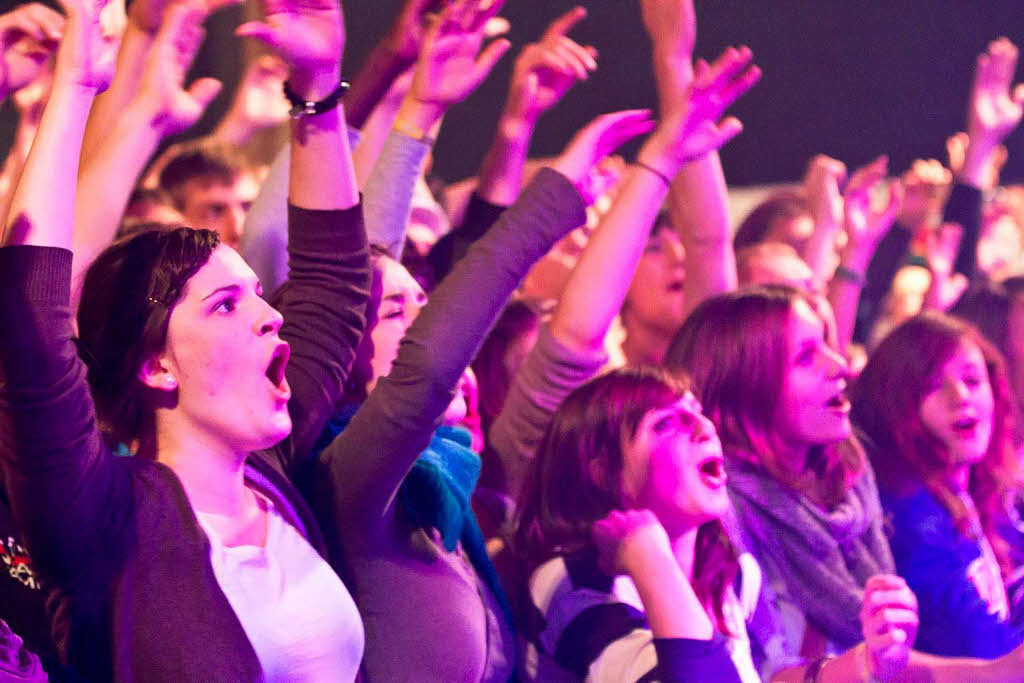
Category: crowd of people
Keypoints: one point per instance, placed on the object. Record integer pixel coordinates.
(307, 416)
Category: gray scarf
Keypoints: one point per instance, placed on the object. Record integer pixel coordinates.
(822, 557)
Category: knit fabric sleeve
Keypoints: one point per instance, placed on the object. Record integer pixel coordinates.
(369, 460)
(324, 308)
(65, 493)
(480, 216)
(387, 196)
(549, 373)
(964, 208)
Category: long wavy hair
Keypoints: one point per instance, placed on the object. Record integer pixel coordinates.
(887, 401)
(734, 349)
(127, 297)
(582, 453)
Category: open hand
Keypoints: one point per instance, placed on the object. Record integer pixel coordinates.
(259, 102)
(597, 140)
(451, 65)
(545, 70)
(994, 110)
(310, 36)
(88, 50)
(925, 188)
(821, 186)
(162, 92)
(29, 36)
(624, 536)
(405, 39)
(865, 222)
(888, 618)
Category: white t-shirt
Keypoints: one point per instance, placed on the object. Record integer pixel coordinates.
(298, 615)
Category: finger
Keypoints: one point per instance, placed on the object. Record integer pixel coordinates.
(577, 67)
(1018, 94)
(738, 87)
(496, 26)
(483, 13)
(586, 55)
(203, 90)
(488, 58)
(1003, 56)
(258, 31)
(182, 27)
(731, 62)
(51, 22)
(565, 23)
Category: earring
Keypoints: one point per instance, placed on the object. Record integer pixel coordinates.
(170, 382)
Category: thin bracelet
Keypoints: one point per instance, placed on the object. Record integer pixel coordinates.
(850, 275)
(648, 167)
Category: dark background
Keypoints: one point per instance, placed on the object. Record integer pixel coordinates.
(850, 78)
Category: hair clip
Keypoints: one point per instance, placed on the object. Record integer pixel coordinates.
(156, 301)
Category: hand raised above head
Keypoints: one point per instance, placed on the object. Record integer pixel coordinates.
(174, 48)
(310, 36)
(405, 38)
(672, 26)
(545, 70)
(29, 36)
(451, 64)
(994, 110)
(597, 140)
(821, 186)
(867, 222)
(88, 50)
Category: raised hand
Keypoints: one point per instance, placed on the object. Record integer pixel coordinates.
(957, 145)
(925, 187)
(405, 38)
(258, 102)
(672, 26)
(451, 65)
(310, 36)
(889, 622)
(597, 140)
(625, 536)
(29, 36)
(691, 128)
(162, 94)
(148, 15)
(994, 110)
(88, 51)
(821, 187)
(545, 70)
(866, 223)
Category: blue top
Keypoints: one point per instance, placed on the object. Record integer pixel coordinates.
(962, 607)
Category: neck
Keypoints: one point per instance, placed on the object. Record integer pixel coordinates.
(684, 547)
(644, 344)
(959, 478)
(212, 474)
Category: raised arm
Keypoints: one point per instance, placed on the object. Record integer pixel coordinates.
(161, 107)
(323, 302)
(447, 71)
(698, 201)
(866, 225)
(822, 181)
(369, 460)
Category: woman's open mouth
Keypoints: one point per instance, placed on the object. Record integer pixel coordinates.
(276, 369)
(712, 471)
(839, 403)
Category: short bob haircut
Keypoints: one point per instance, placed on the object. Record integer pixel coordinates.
(127, 297)
(582, 452)
(887, 401)
(734, 348)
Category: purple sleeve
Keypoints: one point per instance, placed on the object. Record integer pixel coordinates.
(65, 492)
(683, 660)
(369, 460)
(324, 307)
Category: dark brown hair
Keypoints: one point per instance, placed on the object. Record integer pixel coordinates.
(886, 407)
(734, 348)
(127, 297)
(757, 226)
(582, 452)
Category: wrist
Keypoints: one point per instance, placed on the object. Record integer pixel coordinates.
(513, 129)
(314, 85)
(420, 114)
(977, 157)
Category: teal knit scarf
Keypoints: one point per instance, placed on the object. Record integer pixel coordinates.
(436, 494)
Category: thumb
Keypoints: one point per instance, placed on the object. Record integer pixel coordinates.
(258, 30)
(203, 90)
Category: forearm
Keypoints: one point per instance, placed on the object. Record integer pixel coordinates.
(594, 293)
(820, 250)
(45, 217)
(131, 62)
(698, 203)
(13, 165)
(378, 72)
(964, 207)
(373, 134)
(672, 607)
(501, 174)
(322, 176)
(845, 287)
(105, 183)
(387, 195)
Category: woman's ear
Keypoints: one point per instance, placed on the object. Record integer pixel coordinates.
(155, 374)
